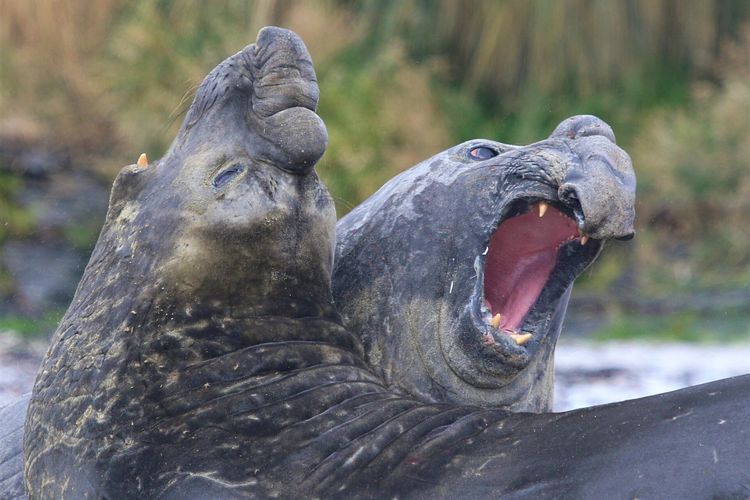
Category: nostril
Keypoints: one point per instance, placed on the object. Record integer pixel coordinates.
(569, 197)
(626, 237)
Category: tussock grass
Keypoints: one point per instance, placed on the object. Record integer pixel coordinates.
(108, 79)
(694, 175)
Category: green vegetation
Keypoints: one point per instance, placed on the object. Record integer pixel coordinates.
(14, 221)
(403, 79)
(31, 327)
(679, 327)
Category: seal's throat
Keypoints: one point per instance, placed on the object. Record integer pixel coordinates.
(521, 257)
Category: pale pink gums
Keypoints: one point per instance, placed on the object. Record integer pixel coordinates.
(522, 254)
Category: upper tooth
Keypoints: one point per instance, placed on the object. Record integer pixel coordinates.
(142, 160)
(495, 321)
(584, 239)
(520, 338)
(542, 208)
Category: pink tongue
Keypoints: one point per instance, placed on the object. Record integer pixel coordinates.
(521, 256)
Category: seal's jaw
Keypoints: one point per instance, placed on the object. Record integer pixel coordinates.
(550, 224)
(531, 258)
(511, 304)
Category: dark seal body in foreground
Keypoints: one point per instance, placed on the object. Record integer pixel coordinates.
(202, 356)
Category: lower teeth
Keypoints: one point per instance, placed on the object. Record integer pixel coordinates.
(520, 338)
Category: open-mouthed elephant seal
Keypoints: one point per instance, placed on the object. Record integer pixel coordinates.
(457, 273)
(202, 356)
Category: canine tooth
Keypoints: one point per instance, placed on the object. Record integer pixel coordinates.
(542, 208)
(520, 338)
(495, 321)
(142, 160)
(584, 239)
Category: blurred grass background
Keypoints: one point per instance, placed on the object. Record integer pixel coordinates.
(86, 86)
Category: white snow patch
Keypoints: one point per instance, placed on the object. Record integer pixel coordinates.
(588, 373)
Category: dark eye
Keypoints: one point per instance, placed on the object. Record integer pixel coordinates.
(227, 175)
(482, 153)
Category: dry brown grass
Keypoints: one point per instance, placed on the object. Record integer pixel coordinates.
(49, 47)
(694, 177)
(100, 78)
(505, 47)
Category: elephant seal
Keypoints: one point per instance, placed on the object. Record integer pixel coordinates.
(202, 356)
(211, 275)
(456, 274)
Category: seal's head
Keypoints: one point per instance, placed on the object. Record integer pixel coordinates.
(469, 259)
(234, 214)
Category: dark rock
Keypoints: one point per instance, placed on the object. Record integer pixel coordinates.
(67, 205)
(31, 160)
(66, 201)
(44, 276)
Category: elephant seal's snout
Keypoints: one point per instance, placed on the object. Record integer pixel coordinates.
(599, 185)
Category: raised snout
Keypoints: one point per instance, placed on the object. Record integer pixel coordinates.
(599, 183)
(265, 97)
(282, 108)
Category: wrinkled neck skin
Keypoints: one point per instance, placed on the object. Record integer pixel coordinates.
(411, 263)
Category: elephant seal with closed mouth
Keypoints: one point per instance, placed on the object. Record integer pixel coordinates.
(457, 272)
(202, 356)
(211, 275)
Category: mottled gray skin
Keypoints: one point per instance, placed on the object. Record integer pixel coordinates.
(206, 361)
(409, 265)
(12, 417)
(224, 244)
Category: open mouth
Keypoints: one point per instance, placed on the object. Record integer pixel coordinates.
(530, 260)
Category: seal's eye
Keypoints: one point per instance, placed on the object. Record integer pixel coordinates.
(482, 153)
(227, 175)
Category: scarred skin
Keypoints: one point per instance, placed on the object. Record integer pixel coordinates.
(410, 262)
(202, 356)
